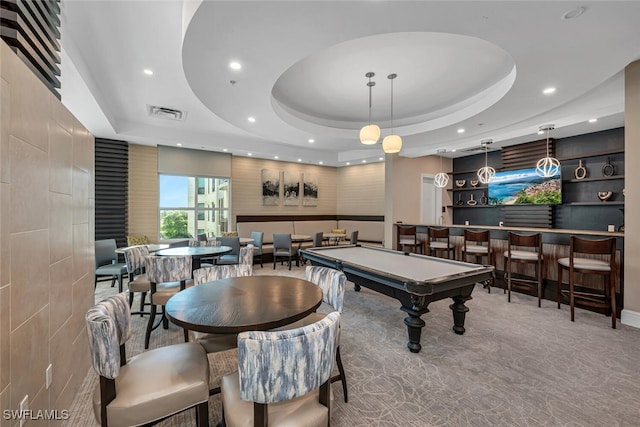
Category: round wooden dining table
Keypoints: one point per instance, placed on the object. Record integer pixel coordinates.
(196, 253)
(239, 304)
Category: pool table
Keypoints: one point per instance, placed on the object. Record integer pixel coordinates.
(414, 280)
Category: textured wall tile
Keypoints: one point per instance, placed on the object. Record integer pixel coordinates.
(5, 125)
(5, 331)
(5, 227)
(81, 252)
(30, 186)
(81, 149)
(29, 356)
(29, 275)
(60, 159)
(5, 404)
(80, 196)
(60, 290)
(62, 359)
(61, 234)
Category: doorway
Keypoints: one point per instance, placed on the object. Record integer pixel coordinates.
(430, 201)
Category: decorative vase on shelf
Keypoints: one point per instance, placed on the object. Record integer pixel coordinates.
(460, 183)
(621, 228)
(580, 172)
(604, 195)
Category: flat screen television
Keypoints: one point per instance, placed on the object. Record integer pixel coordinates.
(524, 186)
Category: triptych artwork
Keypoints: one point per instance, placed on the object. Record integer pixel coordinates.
(293, 188)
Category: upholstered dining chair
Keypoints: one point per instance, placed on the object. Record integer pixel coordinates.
(318, 239)
(136, 259)
(524, 249)
(353, 240)
(233, 256)
(438, 241)
(167, 276)
(258, 237)
(282, 248)
(408, 238)
(213, 343)
(593, 257)
(478, 245)
(246, 257)
(333, 283)
(150, 386)
(283, 377)
(107, 265)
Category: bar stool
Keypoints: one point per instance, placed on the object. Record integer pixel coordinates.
(514, 253)
(606, 298)
(478, 245)
(438, 241)
(408, 236)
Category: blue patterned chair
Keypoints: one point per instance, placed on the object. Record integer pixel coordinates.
(283, 377)
(214, 343)
(333, 284)
(167, 276)
(107, 265)
(258, 237)
(149, 387)
(136, 260)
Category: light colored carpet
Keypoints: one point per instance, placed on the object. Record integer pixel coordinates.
(516, 365)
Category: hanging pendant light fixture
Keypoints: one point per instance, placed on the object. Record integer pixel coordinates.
(486, 172)
(441, 179)
(392, 143)
(548, 166)
(370, 133)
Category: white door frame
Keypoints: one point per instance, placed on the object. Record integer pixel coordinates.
(427, 179)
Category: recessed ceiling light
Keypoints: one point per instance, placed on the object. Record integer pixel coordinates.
(364, 161)
(148, 72)
(540, 132)
(321, 162)
(453, 150)
(549, 90)
(252, 119)
(593, 120)
(225, 150)
(249, 154)
(299, 160)
(235, 65)
(276, 157)
(311, 140)
(348, 163)
(573, 13)
(179, 144)
(460, 130)
(380, 158)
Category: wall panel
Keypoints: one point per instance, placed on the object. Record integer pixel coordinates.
(361, 189)
(143, 191)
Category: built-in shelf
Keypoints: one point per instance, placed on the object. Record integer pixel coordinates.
(600, 178)
(467, 188)
(593, 154)
(593, 203)
(465, 206)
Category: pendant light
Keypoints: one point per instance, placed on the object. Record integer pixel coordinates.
(441, 179)
(549, 166)
(370, 134)
(392, 143)
(486, 172)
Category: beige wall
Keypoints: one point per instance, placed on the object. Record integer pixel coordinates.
(631, 313)
(361, 189)
(143, 191)
(246, 189)
(46, 242)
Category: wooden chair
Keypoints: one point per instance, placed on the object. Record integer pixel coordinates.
(604, 265)
(269, 389)
(478, 245)
(408, 237)
(167, 276)
(438, 241)
(149, 387)
(519, 250)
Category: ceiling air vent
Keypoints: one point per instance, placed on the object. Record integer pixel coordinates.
(166, 113)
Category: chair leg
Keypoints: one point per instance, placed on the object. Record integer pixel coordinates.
(131, 299)
(120, 283)
(508, 280)
(342, 377)
(571, 298)
(152, 317)
(186, 334)
(539, 264)
(612, 286)
(559, 291)
(142, 298)
(202, 414)
(274, 262)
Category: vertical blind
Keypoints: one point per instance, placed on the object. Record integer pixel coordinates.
(112, 177)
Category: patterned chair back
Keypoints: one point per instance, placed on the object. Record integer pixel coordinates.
(282, 365)
(136, 258)
(217, 272)
(108, 327)
(246, 256)
(174, 268)
(332, 282)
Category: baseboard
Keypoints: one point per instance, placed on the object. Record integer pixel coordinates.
(630, 318)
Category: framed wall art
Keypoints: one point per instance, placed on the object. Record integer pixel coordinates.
(270, 187)
(291, 188)
(310, 193)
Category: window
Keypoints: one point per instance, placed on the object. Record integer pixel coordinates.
(188, 206)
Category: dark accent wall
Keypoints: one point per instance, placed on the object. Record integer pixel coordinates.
(31, 29)
(112, 181)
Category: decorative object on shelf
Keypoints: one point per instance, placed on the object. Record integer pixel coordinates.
(471, 201)
(392, 143)
(483, 198)
(624, 192)
(621, 228)
(580, 172)
(460, 183)
(486, 172)
(474, 182)
(441, 179)
(608, 169)
(604, 195)
(370, 133)
(548, 166)
(459, 202)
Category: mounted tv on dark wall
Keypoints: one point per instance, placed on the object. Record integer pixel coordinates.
(524, 186)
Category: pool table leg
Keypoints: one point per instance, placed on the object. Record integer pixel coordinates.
(459, 312)
(414, 327)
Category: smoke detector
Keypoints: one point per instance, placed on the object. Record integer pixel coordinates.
(166, 113)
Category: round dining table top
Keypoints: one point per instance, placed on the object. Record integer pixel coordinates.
(195, 251)
(238, 304)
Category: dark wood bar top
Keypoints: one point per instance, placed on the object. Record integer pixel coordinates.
(524, 229)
